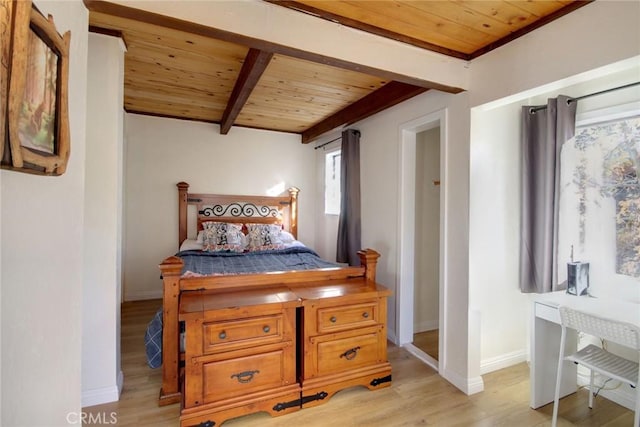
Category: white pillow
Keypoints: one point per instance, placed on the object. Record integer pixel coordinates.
(191, 245)
(286, 237)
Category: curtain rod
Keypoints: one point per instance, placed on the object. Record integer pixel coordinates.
(542, 107)
(327, 143)
(335, 139)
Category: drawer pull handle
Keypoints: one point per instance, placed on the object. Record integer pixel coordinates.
(350, 354)
(245, 377)
(365, 314)
(266, 329)
(333, 319)
(222, 335)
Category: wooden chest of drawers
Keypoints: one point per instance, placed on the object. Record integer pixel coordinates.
(280, 349)
(343, 339)
(240, 352)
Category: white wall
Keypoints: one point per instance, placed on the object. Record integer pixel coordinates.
(101, 375)
(379, 156)
(427, 247)
(162, 152)
(537, 64)
(495, 221)
(42, 264)
(494, 237)
(596, 35)
(470, 318)
(506, 78)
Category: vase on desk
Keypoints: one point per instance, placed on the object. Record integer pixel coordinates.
(578, 278)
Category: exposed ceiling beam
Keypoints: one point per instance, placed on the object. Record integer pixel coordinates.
(387, 96)
(106, 32)
(372, 29)
(262, 45)
(254, 65)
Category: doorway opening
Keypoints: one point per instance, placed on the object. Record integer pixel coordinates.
(426, 301)
(420, 303)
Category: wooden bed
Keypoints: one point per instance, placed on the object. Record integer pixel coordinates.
(350, 288)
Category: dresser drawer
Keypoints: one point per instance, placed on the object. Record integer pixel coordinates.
(343, 354)
(546, 312)
(333, 319)
(240, 376)
(249, 332)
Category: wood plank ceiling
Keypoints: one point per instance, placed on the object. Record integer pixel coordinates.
(184, 70)
(463, 29)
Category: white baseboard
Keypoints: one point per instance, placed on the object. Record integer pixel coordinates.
(503, 361)
(424, 357)
(427, 325)
(468, 386)
(120, 383)
(142, 295)
(391, 336)
(98, 396)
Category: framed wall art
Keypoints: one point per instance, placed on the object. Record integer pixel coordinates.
(6, 24)
(37, 106)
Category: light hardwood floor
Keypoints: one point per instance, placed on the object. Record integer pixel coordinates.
(417, 397)
(427, 342)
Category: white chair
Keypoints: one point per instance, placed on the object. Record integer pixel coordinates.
(597, 359)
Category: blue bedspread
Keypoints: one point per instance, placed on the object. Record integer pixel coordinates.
(153, 341)
(293, 258)
(210, 263)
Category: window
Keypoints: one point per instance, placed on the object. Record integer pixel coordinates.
(600, 195)
(332, 183)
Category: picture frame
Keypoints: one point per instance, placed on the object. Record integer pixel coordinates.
(37, 106)
(6, 25)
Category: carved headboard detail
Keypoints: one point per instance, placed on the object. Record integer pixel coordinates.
(239, 209)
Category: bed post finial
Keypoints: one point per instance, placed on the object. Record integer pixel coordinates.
(369, 259)
(171, 269)
(183, 188)
(293, 211)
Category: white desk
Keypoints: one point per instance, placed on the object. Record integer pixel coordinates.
(545, 339)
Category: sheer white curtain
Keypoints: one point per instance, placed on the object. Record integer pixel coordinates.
(544, 131)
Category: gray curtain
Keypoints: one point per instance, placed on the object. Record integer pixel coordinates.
(544, 131)
(349, 221)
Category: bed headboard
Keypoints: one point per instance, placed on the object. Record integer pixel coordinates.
(240, 209)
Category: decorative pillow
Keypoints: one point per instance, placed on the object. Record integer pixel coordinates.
(222, 237)
(264, 237)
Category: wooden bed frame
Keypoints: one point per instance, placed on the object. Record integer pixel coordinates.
(230, 208)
